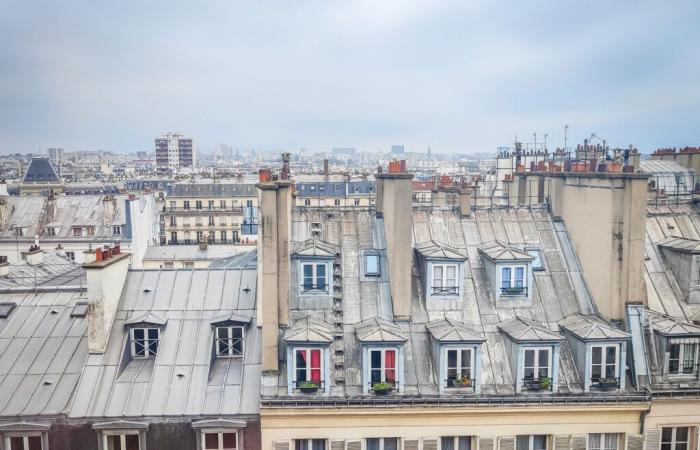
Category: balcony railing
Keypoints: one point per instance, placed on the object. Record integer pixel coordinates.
(605, 383)
(314, 289)
(507, 291)
(537, 384)
(445, 290)
(214, 209)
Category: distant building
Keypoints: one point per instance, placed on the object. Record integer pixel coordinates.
(174, 152)
(55, 155)
(40, 178)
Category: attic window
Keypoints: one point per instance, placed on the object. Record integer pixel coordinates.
(315, 225)
(6, 309)
(372, 265)
(229, 341)
(79, 310)
(144, 342)
(116, 230)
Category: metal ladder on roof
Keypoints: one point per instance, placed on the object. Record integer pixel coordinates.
(338, 346)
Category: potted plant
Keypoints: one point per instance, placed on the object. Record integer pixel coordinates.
(545, 383)
(308, 387)
(513, 290)
(607, 384)
(464, 381)
(382, 388)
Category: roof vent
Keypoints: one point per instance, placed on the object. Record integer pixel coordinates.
(6, 308)
(79, 310)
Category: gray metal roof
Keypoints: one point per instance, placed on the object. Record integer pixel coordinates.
(184, 378)
(379, 330)
(246, 260)
(434, 250)
(192, 252)
(592, 328)
(42, 352)
(309, 329)
(451, 330)
(524, 330)
(315, 247)
(668, 326)
(55, 272)
(680, 244)
(497, 251)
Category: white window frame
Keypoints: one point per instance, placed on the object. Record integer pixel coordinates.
(220, 432)
(381, 442)
(309, 443)
(25, 438)
(116, 230)
(472, 351)
(455, 441)
(308, 369)
(603, 359)
(314, 277)
(146, 342)
(603, 439)
(229, 341)
(673, 442)
(123, 434)
(382, 369)
(536, 361)
(681, 354)
(443, 279)
(511, 281)
(531, 440)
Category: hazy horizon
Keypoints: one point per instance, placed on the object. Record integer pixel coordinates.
(456, 76)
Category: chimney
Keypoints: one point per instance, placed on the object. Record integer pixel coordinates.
(273, 263)
(4, 216)
(203, 244)
(109, 204)
(465, 201)
(325, 167)
(397, 210)
(106, 273)
(35, 256)
(4, 269)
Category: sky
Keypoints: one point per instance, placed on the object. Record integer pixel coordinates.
(455, 76)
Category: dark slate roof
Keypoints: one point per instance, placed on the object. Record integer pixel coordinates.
(41, 170)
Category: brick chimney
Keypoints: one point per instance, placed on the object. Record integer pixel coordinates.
(465, 201)
(106, 272)
(394, 204)
(273, 263)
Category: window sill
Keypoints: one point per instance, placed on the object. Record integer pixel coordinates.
(230, 356)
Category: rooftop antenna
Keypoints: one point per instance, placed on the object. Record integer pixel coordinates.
(566, 129)
(545, 142)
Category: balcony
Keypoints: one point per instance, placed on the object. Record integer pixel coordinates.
(216, 210)
(447, 290)
(514, 291)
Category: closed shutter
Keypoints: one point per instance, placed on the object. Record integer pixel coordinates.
(579, 442)
(635, 442)
(280, 445)
(430, 443)
(353, 445)
(562, 442)
(337, 445)
(485, 443)
(653, 439)
(506, 443)
(410, 444)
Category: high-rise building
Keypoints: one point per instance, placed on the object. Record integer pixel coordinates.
(174, 152)
(55, 155)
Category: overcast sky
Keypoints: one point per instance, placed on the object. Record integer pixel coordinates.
(456, 76)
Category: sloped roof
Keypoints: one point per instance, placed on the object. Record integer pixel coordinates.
(590, 328)
(524, 330)
(379, 330)
(497, 251)
(450, 330)
(232, 317)
(316, 247)
(668, 326)
(146, 317)
(309, 329)
(680, 244)
(55, 272)
(41, 170)
(432, 249)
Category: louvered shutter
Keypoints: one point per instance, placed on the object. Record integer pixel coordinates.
(410, 444)
(579, 442)
(280, 445)
(337, 444)
(506, 443)
(635, 442)
(430, 443)
(653, 439)
(353, 445)
(485, 443)
(562, 442)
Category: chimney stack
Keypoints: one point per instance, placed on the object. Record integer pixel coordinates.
(273, 263)
(325, 167)
(4, 269)
(394, 204)
(465, 201)
(109, 205)
(35, 256)
(106, 270)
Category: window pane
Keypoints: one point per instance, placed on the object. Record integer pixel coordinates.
(114, 442)
(211, 441)
(34, 442)
(318, 444)
(17, 442)
(689, 353)
(519, 277)
(529, 358)
(447, 443)
(372, 444)
(594, 441)
(229, 441)
(465, 443)
(596, 355)
(505, 277)
(132, 442)
(610, 354)
(451, 358)
(466, 360)
(666, 434)
(372, 263)
(376, 359)
(138, 334)
(543, 358)
(223, 332)
(301, 444)
(522, 443)
(682, 434)
(611, 440)
(391, 443)
(539, 442)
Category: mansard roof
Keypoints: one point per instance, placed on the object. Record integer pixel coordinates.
(520, 329)
(590, 328)
(497, 251)
(309, 329)
(451, 330)
(432, 249)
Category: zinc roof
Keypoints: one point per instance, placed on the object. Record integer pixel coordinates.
(592, 328)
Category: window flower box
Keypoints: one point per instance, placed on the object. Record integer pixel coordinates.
(541, 384)
(463, 382)
(309, 387)
(608, 384)
(382, 388)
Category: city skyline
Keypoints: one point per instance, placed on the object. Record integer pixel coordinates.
(453, 76)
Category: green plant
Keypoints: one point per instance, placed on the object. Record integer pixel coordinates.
(463, 381)
(308, 385)
(545, 383)
(382, 387)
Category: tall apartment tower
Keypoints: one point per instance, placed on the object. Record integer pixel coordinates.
(55, 155)
(174, 152)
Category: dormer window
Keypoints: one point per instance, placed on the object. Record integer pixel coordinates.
(537, 364)
(144, 342)
(683, 359)
(382, 355)
(229, 341)
(444, 280)
(314, 276)
(383, 366)
(372, 264)
(513, 281)
(116, 230)
(308, 367)
(458, 358)
(460, 367)
(604, 365)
